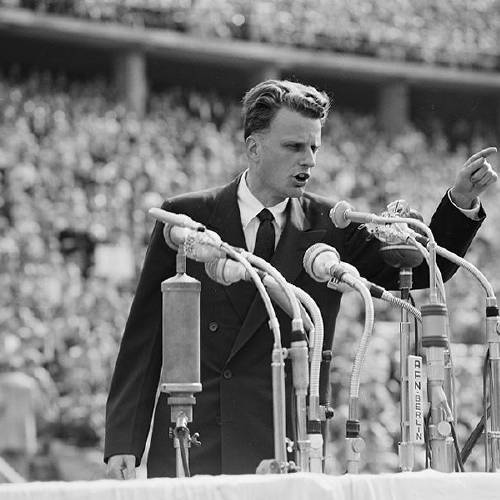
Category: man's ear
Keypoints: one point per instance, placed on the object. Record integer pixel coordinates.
(252, 147)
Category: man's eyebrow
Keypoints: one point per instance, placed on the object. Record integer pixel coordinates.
(296, 140)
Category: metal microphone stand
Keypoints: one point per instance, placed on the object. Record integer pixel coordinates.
(492, 444)
(492, 432)
(180, 374)
(405, 258)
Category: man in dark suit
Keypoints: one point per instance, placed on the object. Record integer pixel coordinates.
(233, 413)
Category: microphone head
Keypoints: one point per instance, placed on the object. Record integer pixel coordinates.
(171, 239)
(225, 271)
(318, 259)
(401, 208)
(338, 214)
(203, 246)
(399, 256)
(215, 271)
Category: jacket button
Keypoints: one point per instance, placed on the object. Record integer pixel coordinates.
(213, 326)
(227, 374)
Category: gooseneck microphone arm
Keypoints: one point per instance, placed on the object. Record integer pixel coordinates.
(412, 240)
(298, 354)
(379, 292)
(277, 364)
(316, 412)
(323, 264)
(353, 423)
(309, 443)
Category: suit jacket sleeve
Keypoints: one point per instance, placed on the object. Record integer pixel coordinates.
(451, 228)
(135, 379)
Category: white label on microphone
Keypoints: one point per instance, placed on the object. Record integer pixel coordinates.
(415, 399)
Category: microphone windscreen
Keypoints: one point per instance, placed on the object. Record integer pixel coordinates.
(174, 235)
(215, 271)
(318, 259)
(337, 214)
(226, 271)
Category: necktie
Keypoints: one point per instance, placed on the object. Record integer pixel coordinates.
(264, 242)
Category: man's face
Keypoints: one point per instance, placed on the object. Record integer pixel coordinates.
(284, 157)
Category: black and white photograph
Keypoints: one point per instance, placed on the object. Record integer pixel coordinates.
(249, 249)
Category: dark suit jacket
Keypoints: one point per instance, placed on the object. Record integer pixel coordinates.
(233, 413)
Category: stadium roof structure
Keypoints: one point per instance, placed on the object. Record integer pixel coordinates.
(179, 46)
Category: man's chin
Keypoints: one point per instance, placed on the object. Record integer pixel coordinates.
(297, 191)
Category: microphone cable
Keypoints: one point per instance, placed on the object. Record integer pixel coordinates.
(459, 464)
(428, 450)
(415, 324)
(180, 434)
(478, 430)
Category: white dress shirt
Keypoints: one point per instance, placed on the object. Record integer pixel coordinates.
(250, 206)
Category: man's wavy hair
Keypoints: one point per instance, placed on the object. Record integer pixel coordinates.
(262, 102)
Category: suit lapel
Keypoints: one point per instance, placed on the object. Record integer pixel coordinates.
(296, 237)
(226, 222)
(225, 219)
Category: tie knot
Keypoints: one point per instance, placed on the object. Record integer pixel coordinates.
(264, 215)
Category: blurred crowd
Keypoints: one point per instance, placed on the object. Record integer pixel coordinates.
(78, 173)
(456, 33)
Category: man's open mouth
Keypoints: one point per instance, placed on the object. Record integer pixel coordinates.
(302, 177)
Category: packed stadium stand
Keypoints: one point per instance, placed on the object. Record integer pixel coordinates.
(79, 170)
(451, 33)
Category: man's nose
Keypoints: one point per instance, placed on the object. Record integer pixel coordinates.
(309, 158)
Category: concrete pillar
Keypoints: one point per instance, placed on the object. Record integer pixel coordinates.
(393, 108)
(131, 80)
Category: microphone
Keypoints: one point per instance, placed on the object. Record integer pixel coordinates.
(401, 208)
(340, 214)
(180, 372)
(226, 272)
(319, 260)
(322, 263)
(201, 244)
(173, 219)
(390, 227)
(399, 251)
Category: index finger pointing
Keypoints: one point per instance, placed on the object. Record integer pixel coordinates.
(483, 153)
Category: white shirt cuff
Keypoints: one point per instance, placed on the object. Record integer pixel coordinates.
(471, 213)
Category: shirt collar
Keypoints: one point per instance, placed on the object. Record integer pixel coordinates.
(250, 206)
